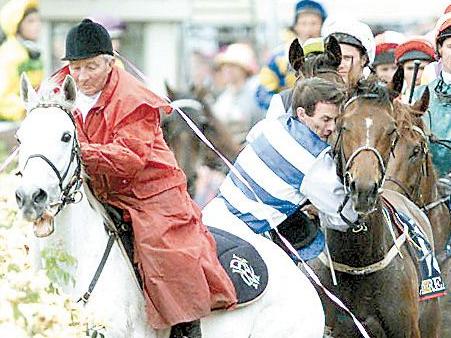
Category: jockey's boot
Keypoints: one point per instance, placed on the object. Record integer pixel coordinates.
(186, 330)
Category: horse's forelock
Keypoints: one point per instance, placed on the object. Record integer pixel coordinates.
(50, 93)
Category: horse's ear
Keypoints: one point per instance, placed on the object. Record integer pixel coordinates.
(333, 50)
(422, 104)
(396, 83)
(69, 90)
(169, 91)
(296, 55)
(27, 93)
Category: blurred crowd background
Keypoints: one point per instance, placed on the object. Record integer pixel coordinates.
(220, 45)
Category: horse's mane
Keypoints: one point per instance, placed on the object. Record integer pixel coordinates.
(49, 92)
(406, 118)
(317, 62)
(93, 201)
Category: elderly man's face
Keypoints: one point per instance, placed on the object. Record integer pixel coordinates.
(91, 74)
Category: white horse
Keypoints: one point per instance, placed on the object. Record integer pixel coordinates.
(50, 165)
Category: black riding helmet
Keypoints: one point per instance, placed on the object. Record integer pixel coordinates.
(350, 40)
(86, 40)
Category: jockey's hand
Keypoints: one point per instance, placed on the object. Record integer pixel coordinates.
(311, 211)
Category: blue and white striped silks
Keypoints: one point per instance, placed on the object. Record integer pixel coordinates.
(274, 165)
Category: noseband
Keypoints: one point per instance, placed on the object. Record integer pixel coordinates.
(70, 193)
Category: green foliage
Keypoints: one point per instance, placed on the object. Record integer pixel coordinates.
(56, 263)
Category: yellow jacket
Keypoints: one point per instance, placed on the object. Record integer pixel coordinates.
(15, 59)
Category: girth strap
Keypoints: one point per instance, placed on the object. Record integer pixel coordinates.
(99, 270)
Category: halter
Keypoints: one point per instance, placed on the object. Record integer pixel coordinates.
(344, 173)
(68, 194)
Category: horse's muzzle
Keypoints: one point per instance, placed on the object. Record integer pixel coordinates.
(363, 196)
(32, 203)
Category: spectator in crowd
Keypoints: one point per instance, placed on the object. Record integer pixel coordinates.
(236, 106)
(21, 24)
(438, 115)
(406, 54)
(276, 75)
(358, 47)
(384, 62)
(432, 70)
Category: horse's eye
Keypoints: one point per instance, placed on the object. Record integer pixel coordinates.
(415, 151)
(66, 137)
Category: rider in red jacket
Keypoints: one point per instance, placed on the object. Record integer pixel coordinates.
(131, 167)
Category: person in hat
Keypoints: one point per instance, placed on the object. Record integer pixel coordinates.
(276, 75)
(357, 45)
(21, 24)
(415, 48)
(384, 62)
(438, 115)
(432, 70)
(236, 106)
(131, 168)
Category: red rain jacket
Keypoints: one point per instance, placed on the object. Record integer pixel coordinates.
(132, 168)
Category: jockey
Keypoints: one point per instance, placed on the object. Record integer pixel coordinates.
(286, 162)
(406, 53)
(384, 62)
(276, 75)
(438, 115)
(358, 47)
(131, 168)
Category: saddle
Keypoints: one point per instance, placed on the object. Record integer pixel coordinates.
(243, 264)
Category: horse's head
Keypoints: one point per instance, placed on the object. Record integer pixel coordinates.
(49, 161)
(323, 65)
(366, 135)
(410, 161)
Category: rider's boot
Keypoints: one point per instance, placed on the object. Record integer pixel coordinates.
(186, 330)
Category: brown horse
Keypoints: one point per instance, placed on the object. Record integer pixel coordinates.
(378, 285)
(189, 150)
(410, 171)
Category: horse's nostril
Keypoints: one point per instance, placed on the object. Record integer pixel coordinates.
(19, 198)
(39, 196)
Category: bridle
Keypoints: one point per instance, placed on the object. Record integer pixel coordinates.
(71, 192)
(344, 165)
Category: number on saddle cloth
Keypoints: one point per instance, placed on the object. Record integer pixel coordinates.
(243, 264)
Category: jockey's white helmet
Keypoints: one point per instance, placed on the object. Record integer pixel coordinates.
(359, 34)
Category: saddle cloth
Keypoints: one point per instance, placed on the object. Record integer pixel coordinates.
(431, 283)
(243, 264)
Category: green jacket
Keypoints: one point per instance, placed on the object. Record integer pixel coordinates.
(438, 120)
